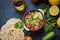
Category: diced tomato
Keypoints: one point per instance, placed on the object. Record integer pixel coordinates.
(36, 27)
(26, 17)
(27, 38)
(28, 25)
(41, 22)
(32, 28)
(29, 13)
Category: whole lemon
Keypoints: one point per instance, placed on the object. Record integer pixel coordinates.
(58, 22)
(54, 2)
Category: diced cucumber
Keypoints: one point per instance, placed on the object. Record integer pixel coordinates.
(37, 23)
(29, 17)
(29, 20)
(35, 15)
(33, 21)
(32, 13)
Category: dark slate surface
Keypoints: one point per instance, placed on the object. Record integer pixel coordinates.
(7, 11)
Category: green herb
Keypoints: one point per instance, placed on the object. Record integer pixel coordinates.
(19, 25)
(43, 6)
(49, 24)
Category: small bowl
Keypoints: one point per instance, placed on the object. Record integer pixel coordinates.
(39, 10)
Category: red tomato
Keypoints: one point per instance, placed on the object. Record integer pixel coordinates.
(36, 27)
(41, 22)
(27, 38)
(35, 1)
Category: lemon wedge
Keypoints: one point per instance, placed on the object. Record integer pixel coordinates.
(54, 10)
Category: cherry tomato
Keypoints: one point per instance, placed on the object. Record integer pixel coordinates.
(35, 1)
(27, 38)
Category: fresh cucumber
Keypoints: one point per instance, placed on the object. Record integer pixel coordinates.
(48, 36)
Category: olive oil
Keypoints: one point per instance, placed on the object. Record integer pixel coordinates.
(19, 5)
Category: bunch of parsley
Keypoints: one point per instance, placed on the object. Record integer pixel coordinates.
(49, 24)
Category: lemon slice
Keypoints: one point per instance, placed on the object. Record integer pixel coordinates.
(54, 10)
(58, 22)
(21, 8)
